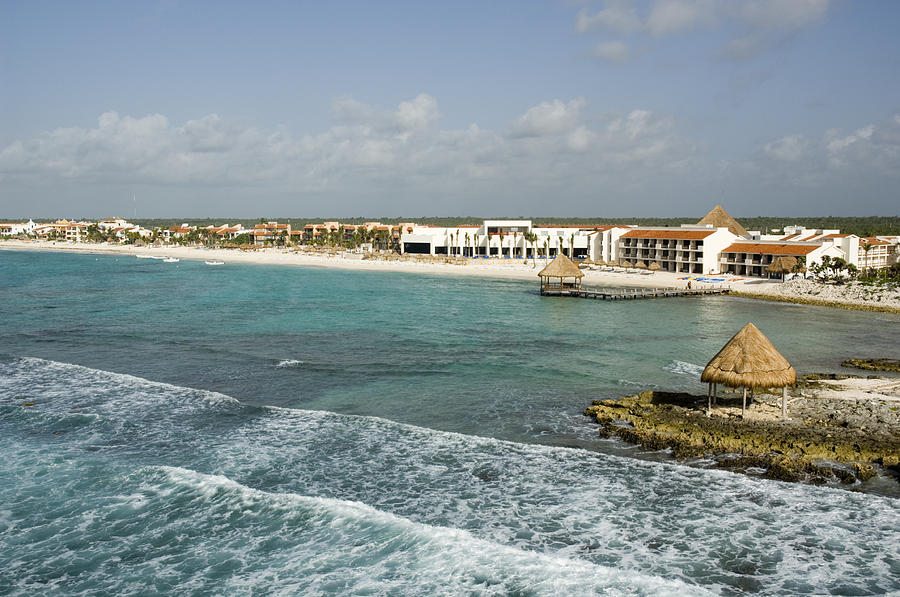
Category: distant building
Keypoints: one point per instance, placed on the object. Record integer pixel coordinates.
(16, 228)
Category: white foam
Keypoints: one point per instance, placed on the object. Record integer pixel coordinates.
(289, 363)
(405, 551)
(651, 518)
(684, 368)
(37, 371)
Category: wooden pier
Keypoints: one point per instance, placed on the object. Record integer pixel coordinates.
(620, 294)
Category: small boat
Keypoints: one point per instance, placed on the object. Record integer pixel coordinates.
(144, 256)
(171, 260)
(214, 262)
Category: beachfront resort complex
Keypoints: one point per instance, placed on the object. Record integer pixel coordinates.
(717, 244)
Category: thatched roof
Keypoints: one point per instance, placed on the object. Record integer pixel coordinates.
(654, 266)
(719, 218)
(561, 267)
(749, 360)
(783, 264)
(640, 265)
(626, 264)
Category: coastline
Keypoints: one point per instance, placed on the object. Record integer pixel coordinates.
(500, 269)
(840, 431)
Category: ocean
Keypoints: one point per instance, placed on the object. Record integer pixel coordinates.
(257, 430)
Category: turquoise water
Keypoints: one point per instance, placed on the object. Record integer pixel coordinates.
(255, 430)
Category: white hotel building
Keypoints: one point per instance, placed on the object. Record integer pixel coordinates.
(508, 239)
(718, 244)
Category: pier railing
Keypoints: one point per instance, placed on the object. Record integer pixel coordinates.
(629, 293)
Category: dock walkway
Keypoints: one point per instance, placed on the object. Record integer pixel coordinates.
(618, 294)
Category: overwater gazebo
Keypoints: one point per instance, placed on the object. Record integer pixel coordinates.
(749, 360)
(555, 277)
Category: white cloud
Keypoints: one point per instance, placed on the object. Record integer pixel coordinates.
(639, 123)
(790, 148)
(548, 118)
(552, 145)
(418, 113)
(580, 139)
(672, 16)
(616, 15)
(611, 51)
(837, 144)
(871, 152)
(758, 24)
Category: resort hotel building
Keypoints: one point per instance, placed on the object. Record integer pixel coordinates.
(717, 244)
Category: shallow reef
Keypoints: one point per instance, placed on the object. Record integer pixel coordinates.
(824, 441)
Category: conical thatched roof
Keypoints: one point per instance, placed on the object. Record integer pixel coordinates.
(626, 264)
(783, 264)
(640, 265)
(749, 360)
(653, 266)
(561, 267)
(719, 218)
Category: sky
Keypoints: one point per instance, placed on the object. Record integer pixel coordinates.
(566, 108)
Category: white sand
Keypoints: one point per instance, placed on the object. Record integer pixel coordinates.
(489, 268)
(881, 388)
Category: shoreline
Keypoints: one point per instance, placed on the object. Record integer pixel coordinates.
(501, 269)
(841, 431)
(812, 302)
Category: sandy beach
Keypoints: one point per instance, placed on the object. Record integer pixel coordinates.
(504, 269)
(492, 268)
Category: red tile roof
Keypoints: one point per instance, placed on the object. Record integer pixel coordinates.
(673, 233)
(770, 248)
(873, 241)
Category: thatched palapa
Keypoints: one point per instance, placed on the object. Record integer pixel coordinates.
(562, 267)
(784, 264)
(653, 266)
(749, 360)
(720, 218)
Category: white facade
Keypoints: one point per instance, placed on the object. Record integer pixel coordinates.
(14, 228)
(507, 239)
(688, 249)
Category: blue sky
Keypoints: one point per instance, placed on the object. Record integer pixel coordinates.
(561, 108)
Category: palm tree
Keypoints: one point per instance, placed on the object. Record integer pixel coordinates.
(500, 250)
(515, 243)
(531, 237)
(572, 245)
(866, 247)
(546, 247)
(467, 241)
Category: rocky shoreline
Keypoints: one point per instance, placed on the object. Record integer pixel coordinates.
(873, 364)
(849, 295)
(835, 434)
